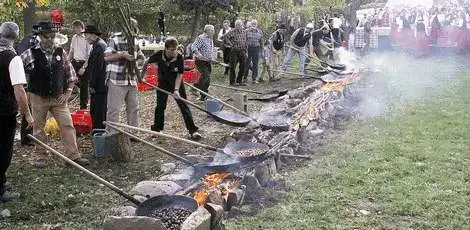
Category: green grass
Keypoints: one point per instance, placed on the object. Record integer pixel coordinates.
(66, 196)
(405, 171)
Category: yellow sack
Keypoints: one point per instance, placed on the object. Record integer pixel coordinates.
(51, 128)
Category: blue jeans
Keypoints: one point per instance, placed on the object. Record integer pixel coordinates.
(290, 54)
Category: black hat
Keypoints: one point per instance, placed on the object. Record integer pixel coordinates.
(91, 29)
(46, 27)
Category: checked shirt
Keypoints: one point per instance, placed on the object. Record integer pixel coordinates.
(203, 45)
(116, 70)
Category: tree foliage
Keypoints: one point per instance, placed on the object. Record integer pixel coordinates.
(180, 14)
(105, 13)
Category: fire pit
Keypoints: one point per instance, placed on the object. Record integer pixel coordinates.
(247, 172)
(171, 210)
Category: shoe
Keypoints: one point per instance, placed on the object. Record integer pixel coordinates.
(232, 84)
(196, 136)
(9, 196)
(40, 163)
(261, 80)
(241, 84)
(82, 161)
(254, 82)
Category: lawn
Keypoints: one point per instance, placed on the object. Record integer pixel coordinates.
(407, 168)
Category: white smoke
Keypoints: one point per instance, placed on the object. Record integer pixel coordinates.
(393, 79)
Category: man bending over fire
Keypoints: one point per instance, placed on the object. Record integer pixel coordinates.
(170, 74)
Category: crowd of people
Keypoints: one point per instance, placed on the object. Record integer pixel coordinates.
(418, 28)
(39, 76)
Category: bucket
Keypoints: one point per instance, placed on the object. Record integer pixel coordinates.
(98, 141)
(212, 106)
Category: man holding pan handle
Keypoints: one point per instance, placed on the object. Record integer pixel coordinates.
(122, 83)
(170, 78)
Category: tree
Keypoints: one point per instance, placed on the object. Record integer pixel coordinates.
(100, 12)
(203, 7)
(13, 10)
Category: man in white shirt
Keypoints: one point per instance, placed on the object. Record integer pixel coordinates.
(12, 96)
(78, 55)
(226, 47)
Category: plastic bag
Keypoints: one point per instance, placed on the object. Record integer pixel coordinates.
(51, 128)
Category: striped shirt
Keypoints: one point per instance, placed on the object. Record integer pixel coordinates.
(203, 45)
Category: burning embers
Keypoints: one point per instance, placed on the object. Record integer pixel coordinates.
(215, 184)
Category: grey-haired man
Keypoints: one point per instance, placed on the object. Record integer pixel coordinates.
(202, 48)
(12, 96)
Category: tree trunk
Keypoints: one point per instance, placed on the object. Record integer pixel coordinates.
(195, 22)
(28, 17)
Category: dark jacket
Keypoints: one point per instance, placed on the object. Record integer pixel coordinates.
(48, 80)
(301, 39)
(8, 105)
(96, 69)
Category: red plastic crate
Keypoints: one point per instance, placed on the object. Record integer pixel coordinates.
(81, 120)
(189, 64)
(191, 77)
(152, 70)
(152, 79)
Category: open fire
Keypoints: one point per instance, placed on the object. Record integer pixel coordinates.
(218, 181)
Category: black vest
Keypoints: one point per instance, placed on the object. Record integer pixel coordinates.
(300, 40)
(48, 80)
(8, 105)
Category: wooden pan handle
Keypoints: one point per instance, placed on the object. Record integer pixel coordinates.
(182, 159)
(86, 171)
(162, 135)
(217, 99)
(237, 89)
(298, 74)
(181, 99)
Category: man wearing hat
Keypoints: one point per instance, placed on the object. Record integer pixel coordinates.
(12, 96)
(299, 40)
(51, 80)
(96, 74)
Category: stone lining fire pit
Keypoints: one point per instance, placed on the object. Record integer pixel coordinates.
(289, 126)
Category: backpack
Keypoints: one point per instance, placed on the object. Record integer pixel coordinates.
(278, 41)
